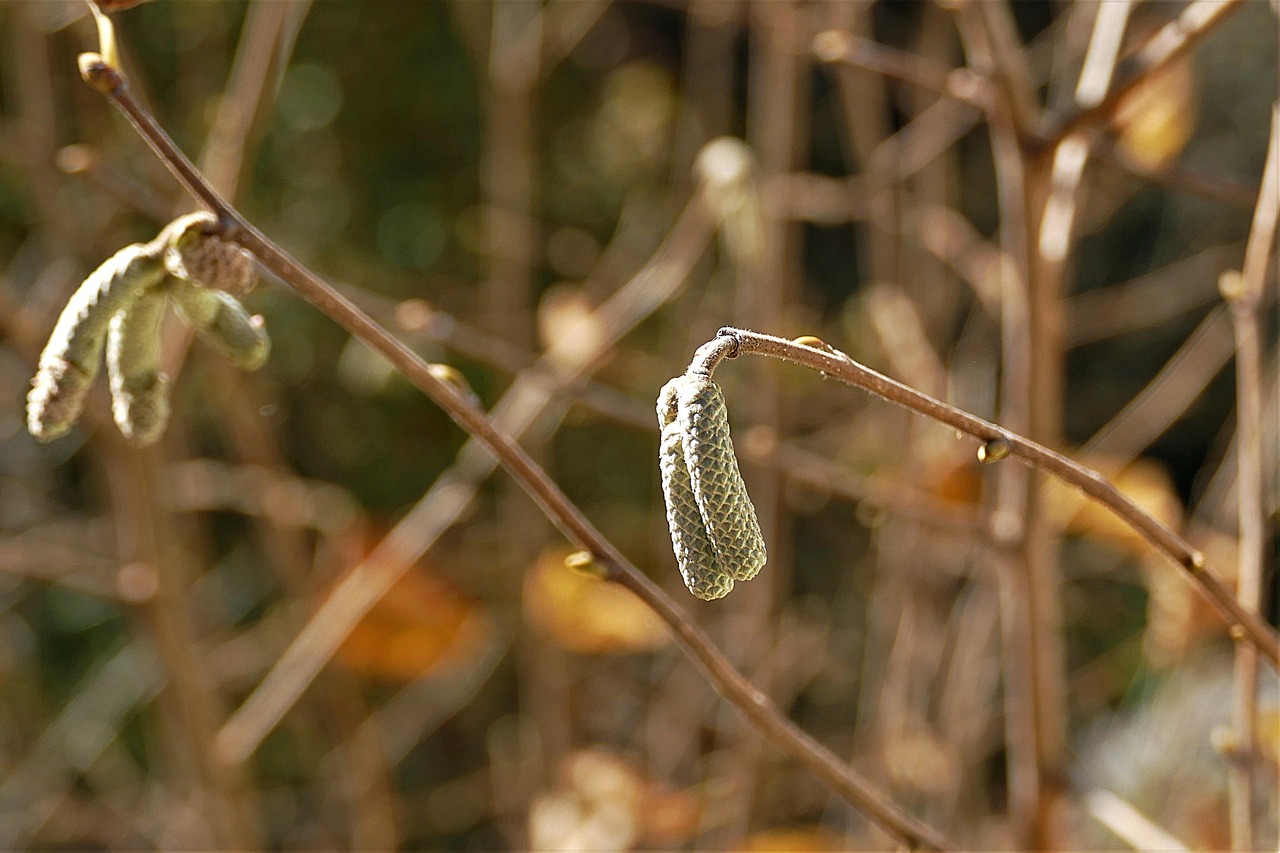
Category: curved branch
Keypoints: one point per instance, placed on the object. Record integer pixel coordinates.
(1244, 624)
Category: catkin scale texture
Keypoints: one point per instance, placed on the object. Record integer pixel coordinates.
(694, 556)
(139, 390)
(69, 362)
(717, 483)
(714, 530)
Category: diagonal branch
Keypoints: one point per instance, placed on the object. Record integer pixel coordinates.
(755, 706)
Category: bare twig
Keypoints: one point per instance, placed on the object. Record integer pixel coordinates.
(1244, 625)
(1243, 292)
(148, 540)
(1174, 39)
(1147, 300)
(1176, 177)
(1031, 394)
(961, 84)
(224, 149)
(1011, 70)
(762, 713)
(509, 166)
(1129, 824)
(1176, 386)
(452, 492)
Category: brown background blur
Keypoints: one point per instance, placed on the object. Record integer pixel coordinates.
(481, 177)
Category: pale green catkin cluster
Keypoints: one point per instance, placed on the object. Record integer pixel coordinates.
(120, 306)
(714, 530)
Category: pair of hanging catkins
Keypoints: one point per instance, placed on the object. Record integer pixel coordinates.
(713, 524)
(119, 307)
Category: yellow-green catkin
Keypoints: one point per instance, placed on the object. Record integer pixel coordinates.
(223, 323)
(694, 554)
(69, 362)
(718, 488)
(121, 306)
(139, 389)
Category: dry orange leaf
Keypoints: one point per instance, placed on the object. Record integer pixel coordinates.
(959, 484)
(1144, 481)
(808, 839)
(422, 625)
(1156, 119)
(582, 613)
(1178, 617)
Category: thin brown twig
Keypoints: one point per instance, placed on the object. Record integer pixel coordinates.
(514, 415)
(798, 464)
(264, 43)
(758, 709)
(1010, 66)
(225, 147)
(1174, 39)
(1033, 657)
(1243, 292)
(1146, 300)
(509, 166)
(1244, 625)
(148, 541)
(961, 84)
(1177, 177)
(1183, 378)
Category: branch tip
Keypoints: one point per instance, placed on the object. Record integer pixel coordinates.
(100, 74)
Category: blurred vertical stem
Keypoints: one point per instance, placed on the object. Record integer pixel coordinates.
(267, 23)
(514, 62)
(265, 43)
(511, 240)
(1243, 292)
(144, 529)
(148, 549)
(1030, 391)
(866, 109)
(705, 107)
(764, 276)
